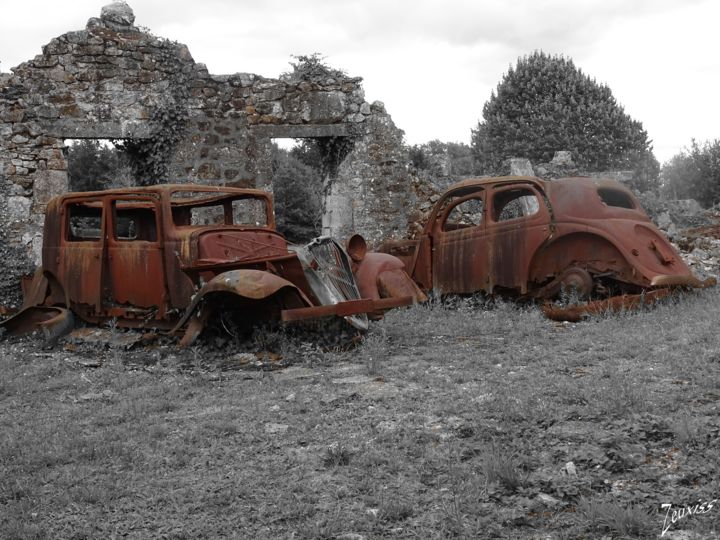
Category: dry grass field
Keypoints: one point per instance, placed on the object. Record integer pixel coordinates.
(460, 419)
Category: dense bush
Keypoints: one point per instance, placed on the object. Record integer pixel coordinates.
(545, 104)
(297, 188)
(441, 159)
(94, 166)
(694, 174)
(311, 67)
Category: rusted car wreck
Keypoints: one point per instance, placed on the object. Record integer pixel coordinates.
(173, 256)
(534, 238)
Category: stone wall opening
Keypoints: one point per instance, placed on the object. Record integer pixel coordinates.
(302, 169)
(115, 80)
(96, 164)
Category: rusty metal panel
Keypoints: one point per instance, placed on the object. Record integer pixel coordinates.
(614, 304)
(345, 309)
(143, 255)
(538, 236)
(80, 271)
(237, 246)
(460, 261)
(136, 276)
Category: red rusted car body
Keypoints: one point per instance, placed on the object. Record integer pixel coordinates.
(531, 238)
(171, 256)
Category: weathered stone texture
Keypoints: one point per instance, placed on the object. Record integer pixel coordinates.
(112, 80)
(374, 195)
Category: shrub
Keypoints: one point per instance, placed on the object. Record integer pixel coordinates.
(694, 174)
(545, 104)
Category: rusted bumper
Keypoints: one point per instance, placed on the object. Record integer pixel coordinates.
(614, 304)
(682, 281)
(345, 309)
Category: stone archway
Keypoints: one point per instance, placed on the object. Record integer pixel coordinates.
(113, 80)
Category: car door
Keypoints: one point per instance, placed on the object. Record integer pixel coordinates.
(518, 223)
(459, 255)
(79, 256)
(136, 285)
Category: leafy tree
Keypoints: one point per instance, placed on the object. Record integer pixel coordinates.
(297, 189)
(694, 174)
(545, 104)
(324, 154)
(441, 159)
(94, 166)
(298, 183)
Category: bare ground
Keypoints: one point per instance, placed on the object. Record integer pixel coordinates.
(450, 420)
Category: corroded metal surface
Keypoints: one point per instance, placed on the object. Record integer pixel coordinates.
(52, 321)
(171, 256)
(528, 237)
(615, 304)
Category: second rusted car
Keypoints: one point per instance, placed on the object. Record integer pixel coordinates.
(174, 256)
(532, 238)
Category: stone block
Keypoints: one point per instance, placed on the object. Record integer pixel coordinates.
(47, 111)
(56, 46)
(45, 61)
(117, 14)
(47, 184)
(18, 208)
(12, 115)
(520, 167)
(64, 98)
(56, 164)
(208, 171)
(562, 158)
(326, 107)
(70, 110)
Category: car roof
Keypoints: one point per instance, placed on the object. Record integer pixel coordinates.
(165, 188)
(487, 180)
(577, 181)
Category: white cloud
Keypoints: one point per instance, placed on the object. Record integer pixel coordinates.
(435, 62)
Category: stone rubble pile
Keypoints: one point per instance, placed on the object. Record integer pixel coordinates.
(694, 232)
(427, 194)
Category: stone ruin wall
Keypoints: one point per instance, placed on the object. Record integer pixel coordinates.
(115, 81)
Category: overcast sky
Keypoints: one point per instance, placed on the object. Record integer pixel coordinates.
(434, 62)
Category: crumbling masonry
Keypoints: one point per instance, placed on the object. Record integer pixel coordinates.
(115, 81)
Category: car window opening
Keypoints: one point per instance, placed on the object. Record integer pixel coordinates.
(614, 197)
(133, 223)
(84, 223)
(466, 214)
(514, 204)
(217, 211)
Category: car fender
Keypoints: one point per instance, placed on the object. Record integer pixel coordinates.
(380, 275)
(580, 246)
(246, 283)
(42, 308)
(43, 289)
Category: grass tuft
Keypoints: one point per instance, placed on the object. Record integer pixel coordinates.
(336, 455)
(375, 351)
(505, 468)
(630, 520)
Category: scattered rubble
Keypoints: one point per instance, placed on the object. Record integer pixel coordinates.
(694, 231)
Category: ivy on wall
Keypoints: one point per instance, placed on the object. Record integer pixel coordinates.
(149, 157)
